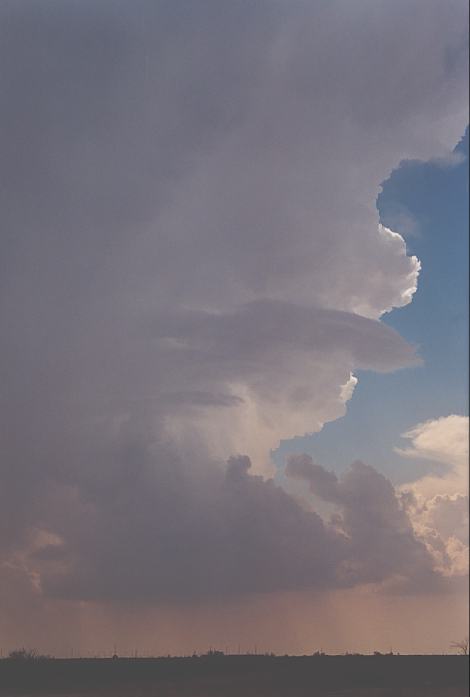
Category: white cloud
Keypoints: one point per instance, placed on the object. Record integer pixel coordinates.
(445, 441)
(347, 390)
(439, 503)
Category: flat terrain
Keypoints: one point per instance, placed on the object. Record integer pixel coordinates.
(239, 676)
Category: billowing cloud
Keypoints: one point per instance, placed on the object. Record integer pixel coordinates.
(438, 502)
(178, 533)
(193, 267)
(383, 543)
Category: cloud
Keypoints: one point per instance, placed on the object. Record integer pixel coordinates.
(193, 535)
(192, 266)
(173, 532)
(438, 502)
(441, 522)
(443, 441)
(383, 545)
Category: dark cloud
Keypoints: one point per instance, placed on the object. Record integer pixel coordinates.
(382, 541)
(321, 482)
(175, 531)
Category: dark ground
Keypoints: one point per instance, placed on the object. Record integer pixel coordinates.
(238, 676)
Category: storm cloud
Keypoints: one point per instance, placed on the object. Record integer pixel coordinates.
(155, 530)
(192, 268)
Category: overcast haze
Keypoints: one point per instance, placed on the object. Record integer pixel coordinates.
(193, 269)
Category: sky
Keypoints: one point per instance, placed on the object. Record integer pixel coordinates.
(233, 298)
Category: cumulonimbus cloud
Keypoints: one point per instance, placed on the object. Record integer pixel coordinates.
(192, 263)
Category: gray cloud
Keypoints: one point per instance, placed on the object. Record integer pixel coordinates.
(170, 531)
(192, 267)
(382, 541)
(192, 535)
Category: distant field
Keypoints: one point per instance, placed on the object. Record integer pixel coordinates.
(239, 676)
